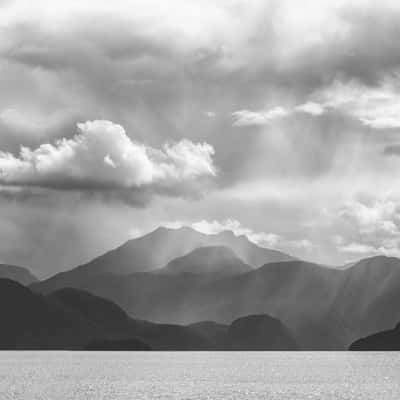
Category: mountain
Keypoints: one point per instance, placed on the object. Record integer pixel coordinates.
(325, 308)
(250, 333)
(367, 295)
(259, 333)
(382, 341)
(73, 319)
(156, 249)
(18, 274)
(217, 260)
(298, 293)
(104, 314)
(65, 320)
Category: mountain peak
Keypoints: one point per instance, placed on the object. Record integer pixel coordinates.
(156, 249)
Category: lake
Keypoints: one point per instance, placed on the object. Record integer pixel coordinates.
(199, 375)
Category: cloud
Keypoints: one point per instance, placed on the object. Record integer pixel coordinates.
(214, 227)
(101, 157)
(263, 239)
(311, 108)
(371, 216)
(358, 248)
(246, 117)
(377, 107)
(158, 68)
(370, 225)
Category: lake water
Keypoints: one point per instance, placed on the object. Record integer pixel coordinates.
(214, 375)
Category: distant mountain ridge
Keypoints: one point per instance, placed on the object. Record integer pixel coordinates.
(326, 308)
(156, 249)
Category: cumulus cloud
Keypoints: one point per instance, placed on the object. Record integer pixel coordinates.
(370, 226)
(247, 117)
(102, 157)
(215, 226)
(373, 215)
(263, 239)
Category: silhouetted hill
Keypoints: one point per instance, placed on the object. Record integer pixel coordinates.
(382, 341)
(155, 250)
(261, 333)
(299, 293)
(115, 328)
(325, 308)
(217, 260)
(117, 345)
(18, 274)
(109, 320)
(32, 321)
(72, 319)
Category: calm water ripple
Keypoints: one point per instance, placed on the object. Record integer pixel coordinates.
(199, 376)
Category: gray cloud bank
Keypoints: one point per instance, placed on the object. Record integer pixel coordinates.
(296, 103)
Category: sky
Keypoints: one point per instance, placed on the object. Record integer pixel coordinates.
(279, 120)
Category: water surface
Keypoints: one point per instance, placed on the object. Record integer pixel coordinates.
(209, 375)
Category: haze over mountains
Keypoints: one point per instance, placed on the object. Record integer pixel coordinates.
(163, 245)
(73, 319)
(156, 249)
(323, 308)
(217, 260)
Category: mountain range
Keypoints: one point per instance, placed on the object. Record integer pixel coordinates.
(74, 319)
(176, 278)
(158, 248)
